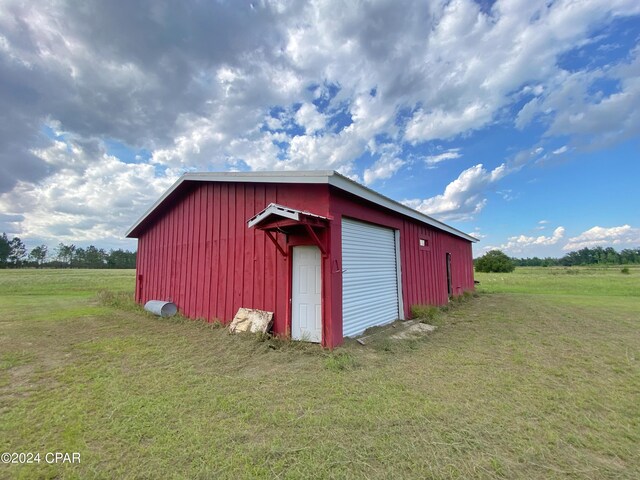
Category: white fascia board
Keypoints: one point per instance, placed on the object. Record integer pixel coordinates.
(318, 176)
(311, 177)
(157, 203)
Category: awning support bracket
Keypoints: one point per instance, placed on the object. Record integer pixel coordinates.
(275, 242)
(315, 238)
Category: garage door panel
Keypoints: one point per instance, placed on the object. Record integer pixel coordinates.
(370, 285)
(357, 304)
(368, 282)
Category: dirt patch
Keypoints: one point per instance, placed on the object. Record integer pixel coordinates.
(398, 330)
(417, 329)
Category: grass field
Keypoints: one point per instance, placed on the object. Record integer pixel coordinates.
(537, 377)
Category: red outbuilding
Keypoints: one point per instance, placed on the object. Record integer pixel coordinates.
(327, 255)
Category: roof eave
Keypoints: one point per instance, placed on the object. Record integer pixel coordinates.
(156, 204)
(348, 185)
(312, 177)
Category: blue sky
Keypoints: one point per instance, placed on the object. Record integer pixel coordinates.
(517, 121)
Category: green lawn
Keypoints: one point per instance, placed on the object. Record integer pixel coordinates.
(581, 281)
(538, 377)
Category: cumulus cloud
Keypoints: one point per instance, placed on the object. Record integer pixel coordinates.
(468, 92)
(570, 107)
(625, 235)
(521, 243)
(387, 165)
(288, 85)
(309, 118)
(96, 203)
(382, 169)
(462, 198)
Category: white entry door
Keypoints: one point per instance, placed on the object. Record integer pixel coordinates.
(306, 295)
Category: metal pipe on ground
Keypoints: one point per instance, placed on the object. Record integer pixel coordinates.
(161, 308)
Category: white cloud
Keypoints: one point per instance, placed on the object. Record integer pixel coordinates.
(388, 163)
(217, 86)
(382, 169)
(450, 154)
(201, 144)
(624, 235)
(560, 150)
(472, 75)
(520, 243)
(96, 203)
(477, 233)
(334, 151)
(542, 225)
(444, 124)
(571, 108)
(464, 197)
(310, 119)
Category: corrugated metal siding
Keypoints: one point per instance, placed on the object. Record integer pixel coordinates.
(369, 279)
(425, 269)
(200, 254)
(424, 274)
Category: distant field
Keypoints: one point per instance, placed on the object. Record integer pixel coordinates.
(538, 377)
(598, 281)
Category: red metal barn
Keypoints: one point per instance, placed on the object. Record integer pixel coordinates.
(327, 255)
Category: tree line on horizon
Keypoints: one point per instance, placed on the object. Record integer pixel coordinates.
(498, 261)
(584, 256)
(14, 254)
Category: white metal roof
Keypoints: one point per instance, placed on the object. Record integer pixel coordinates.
(329, 177)
(282, 211)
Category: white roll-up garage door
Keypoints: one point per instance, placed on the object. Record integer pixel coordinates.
(369, 278)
